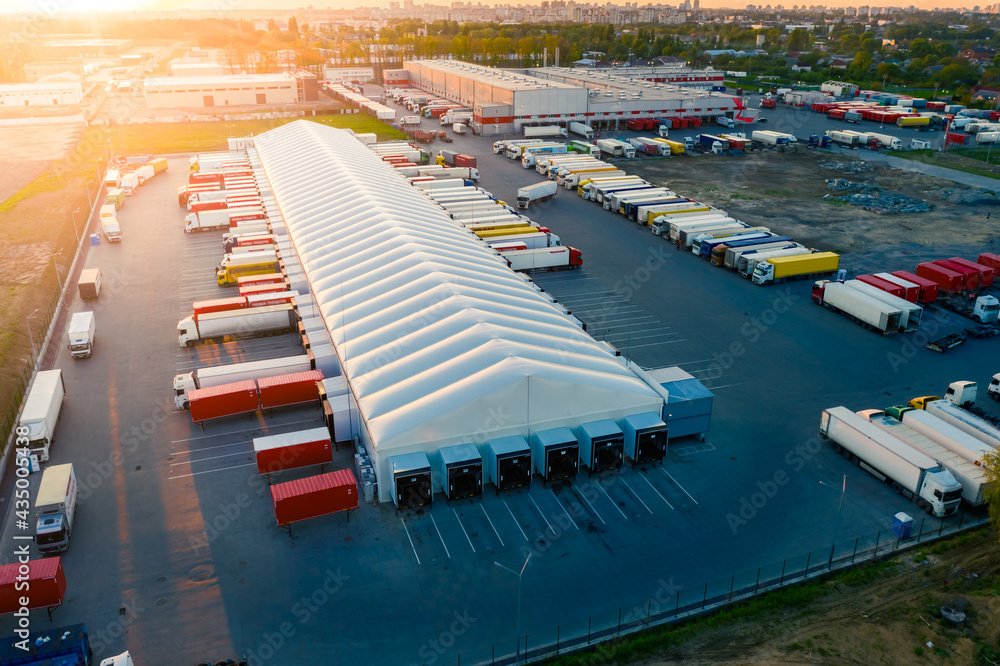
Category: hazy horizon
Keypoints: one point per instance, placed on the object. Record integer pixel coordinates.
(40, 7)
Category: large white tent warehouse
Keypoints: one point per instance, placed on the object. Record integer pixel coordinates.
(440, 341)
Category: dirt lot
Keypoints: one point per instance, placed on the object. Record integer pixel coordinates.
(893, 618)
(784, 192)
(26, 152)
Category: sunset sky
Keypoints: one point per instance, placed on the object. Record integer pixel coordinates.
(37, 6)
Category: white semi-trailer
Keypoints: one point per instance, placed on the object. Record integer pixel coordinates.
(229, 373)
(965, 421)
(235, 324)
(912, 474)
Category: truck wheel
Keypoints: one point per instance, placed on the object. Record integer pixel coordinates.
(897, 488)
(189, 344)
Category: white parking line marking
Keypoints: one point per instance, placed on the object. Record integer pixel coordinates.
(463, 530)
(540, 512)
(643, 477)
(228, 455)
(209, 471)
(439, 535)
(491, 524)
(679, 485)
(563, 508)
(207, 448)
(411, 540)
(662, 342)
(515, 520)
(236, 432)
(637, 496)
(601, 488)
(728, 385)
(584, 498)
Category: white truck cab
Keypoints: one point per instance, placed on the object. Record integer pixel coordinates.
(993, 390)
(124, 659)
(961, 393)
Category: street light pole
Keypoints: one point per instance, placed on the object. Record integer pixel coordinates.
(836, 525)
(517, 625)
(75, 228)
(56, 267)
(27, 320)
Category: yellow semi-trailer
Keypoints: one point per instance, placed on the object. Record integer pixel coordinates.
(509, 231)
(779, 269)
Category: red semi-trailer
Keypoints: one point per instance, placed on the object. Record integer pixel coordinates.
(45, 581)
(911, 290)
(928, 288)
(266, 278)
(291, 389)
(884, 285)
(986, 273)
(291, 450)
(223, 400)
(989, 259)
(314, 496)
(947, 280)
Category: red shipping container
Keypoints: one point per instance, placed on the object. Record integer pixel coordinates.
(314, 496)
(884, 285)
(266, 288)
(928, 288)
(267, 278)
(836, 114)
(291, 450)
(970, 275)
(954, 137)
(200, 206)
(985, 272)
(947, 280)
(635, 124)
(223, 400)
(989, 259)
(290, 389)
(465, 161)
(46, 585)
(218, 305)
(263, 300)
(911, 290)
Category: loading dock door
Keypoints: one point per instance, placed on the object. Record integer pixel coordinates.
(561, 463)
(413, 490)
(650, 446)
(466, 481)
(513, 471)
(209, 100)
(607, 454)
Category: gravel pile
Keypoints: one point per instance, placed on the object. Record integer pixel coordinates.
(971, 195)
(880, 201)
(843, 185)
(850, 167)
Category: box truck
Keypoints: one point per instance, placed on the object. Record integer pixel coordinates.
(972, 478)
(912, 474)
(236, 324)
(111, 229)
(40, 414)
(535, 193)
(229, 373)
(82, 329)
(582, 129)
(55, 505)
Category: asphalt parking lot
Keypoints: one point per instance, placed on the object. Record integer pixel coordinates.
(176, 555)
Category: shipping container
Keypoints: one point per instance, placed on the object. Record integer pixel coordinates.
(989, 259)
(602, 445)
(225, 400)
(314, 496)
(986, 273)
(947, 280)
(884, 285)
(911, 290)
(45, 580)
(970, 276)
(461, 471)
(556, 453)
(509, 462)
(290, 389)
(928, 288)
(410, 480)
(645, 438)
(290, 450)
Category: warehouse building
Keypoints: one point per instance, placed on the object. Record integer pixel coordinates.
(225, 90)
(349, 74)
(441, 344)
(505, 101)
(54, 90)
(192, 67)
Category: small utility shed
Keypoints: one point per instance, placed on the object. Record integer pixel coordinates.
(689, 406)
(440, 342)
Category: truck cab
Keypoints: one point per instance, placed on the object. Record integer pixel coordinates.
(993, 390)
(962, 393)
(918, 403)
(986, 309)
(124, 659)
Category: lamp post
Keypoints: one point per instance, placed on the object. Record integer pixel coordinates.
(75, 228)
(836, 525)
(27, 320)
(517, 625)
(56, 267)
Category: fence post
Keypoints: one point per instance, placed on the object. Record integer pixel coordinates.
(941, 527)
(589, 621)
(619, 621)
(677, 604)
(830, 563)
(961, 519)
(493, 658)
(757, 583)
(921, 532)
(782, 579)
(704, 599)
(557, 639)
(732, 584)
(649, 607)
(808, 560)
(878, 537)
(855, 550)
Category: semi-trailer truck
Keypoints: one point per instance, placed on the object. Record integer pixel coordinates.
(40, 414)
(615, 148)
(544, 130)
(216, 375)
(912, 474)
(235, 266)
(546, 258)
(531, 153)
(516, 150)
(947, 435)
(215, 220)
(55, 506)
(111, 229)
(965, 421)
(582, 129)
(780, 269)
(501, 147)
(866, 310)
(702, 247)
(748, 260)
(236, 324)
(910, 312)
(535, 193)
(82, 331)
(972, 478)
(594, 191)
(734, 254)
(717, 257)
(530, 240)
(576, 177)
(684, 233)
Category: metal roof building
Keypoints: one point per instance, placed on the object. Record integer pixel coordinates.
(220, 90)
(440, 341)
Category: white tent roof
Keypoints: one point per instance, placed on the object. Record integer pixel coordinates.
(432, 328)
